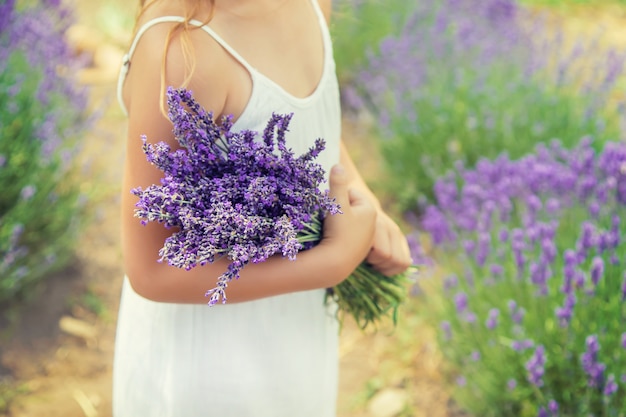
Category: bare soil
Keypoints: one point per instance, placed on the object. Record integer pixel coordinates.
(56, 359)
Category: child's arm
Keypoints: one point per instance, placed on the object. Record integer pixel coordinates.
(390, 253)
(347, 238)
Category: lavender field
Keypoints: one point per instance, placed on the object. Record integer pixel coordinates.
(492, 129)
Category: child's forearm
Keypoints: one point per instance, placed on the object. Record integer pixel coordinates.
(346, 241)
(317, 268)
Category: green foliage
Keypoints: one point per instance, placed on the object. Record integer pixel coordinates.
(8, 392)
(456, 122)
(534, 260)
(565, 3)
(42, 118)
(455, 86)
(358, 25)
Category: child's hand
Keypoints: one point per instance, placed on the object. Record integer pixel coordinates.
(390, 252)
(351, 234)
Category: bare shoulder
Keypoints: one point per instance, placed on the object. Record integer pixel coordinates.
(167, 55)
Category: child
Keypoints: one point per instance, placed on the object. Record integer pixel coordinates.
(271, 351)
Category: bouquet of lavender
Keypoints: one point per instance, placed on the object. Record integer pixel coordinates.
(232, 195)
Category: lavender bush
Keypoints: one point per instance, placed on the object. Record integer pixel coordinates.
(244, 196)
(356, 25)
(42, 115)
(472, 78)
(532, 301)
(567, 3)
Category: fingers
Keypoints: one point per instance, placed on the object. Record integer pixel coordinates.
(338, 183)
(390, 252)
(352, 232)
(347, 197)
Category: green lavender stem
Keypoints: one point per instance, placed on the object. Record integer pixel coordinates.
(367, 295)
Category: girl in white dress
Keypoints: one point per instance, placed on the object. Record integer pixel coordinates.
(271, 351)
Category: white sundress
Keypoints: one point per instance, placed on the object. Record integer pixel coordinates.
(273, 357)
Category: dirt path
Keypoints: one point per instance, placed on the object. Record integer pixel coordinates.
(59, 359)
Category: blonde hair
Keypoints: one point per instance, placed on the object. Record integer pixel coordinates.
(191, 9)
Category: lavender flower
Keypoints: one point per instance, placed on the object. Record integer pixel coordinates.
(522, 345)
(597, 269)
(553, 407)
(590, 364)
(229, 193)
(492, 319)
(611, 386)
(564, 314)
(511, 384)
(245, 196)
(460, 300)
(536, 366)
(42, 117)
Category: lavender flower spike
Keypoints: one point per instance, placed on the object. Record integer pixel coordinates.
(229, 194)
(535, 366)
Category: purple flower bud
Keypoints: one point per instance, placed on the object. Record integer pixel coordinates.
(492, 319)
(548, 248)
(460, 300)
(592, 344)
(511, 384)
(535, 366)
(570, 257)
(522, 345)
(518, 241)
(496, 270)
(624, 340)
(450, 282)
(475, 356)
(587, 239)
(594, 209)
(569, 273)
(597, 269)
(28, 192)
(553, 407)
(533, 233)
(469, 246)
(542, 412)
(484, 246)
(469, 317)
(534, 203)
(518, 316)
(564, 314)
(553, 205)
(610, 387)
(590, 364)
(512, 305)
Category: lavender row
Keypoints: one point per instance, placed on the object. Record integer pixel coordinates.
(532, 301)
(42, 116)
(464, 79)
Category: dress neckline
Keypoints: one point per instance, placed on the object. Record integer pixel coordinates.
(256, 75)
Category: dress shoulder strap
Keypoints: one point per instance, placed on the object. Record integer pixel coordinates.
(169, 19)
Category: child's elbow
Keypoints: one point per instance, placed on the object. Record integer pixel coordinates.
(145, 283)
